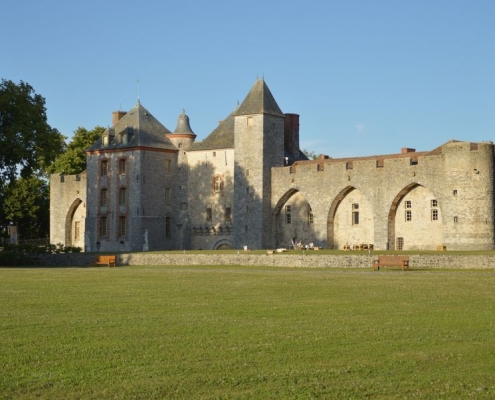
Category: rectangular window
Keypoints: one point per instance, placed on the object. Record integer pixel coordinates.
(434, 203)
(288, 218)
(214, 154)
(400, 243)
(209, 214)
(310, 218)
(122, 166)
(168, 164)
(122, 226)
(103, 227)
(104, 168)
(104, 197)
(355, 206)
(407, 203)
(122, 196)
(434, 214)
(456, 220)
(288, 209)
(454, 192)
(77, 230)
(167, 195)
(167, 227)
(355, 218)
(408, 215)
(228, 214)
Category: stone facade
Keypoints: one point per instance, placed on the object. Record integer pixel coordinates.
(248, 185)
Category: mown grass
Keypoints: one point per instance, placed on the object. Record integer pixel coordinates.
(238, 332)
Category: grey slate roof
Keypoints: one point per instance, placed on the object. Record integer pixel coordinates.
(259, 101)
(222, 137)
(142, 128)
(183, 126)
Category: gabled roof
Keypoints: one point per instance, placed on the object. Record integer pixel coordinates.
(259, 101)
(142, 129)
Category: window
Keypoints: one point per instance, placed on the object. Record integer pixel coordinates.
(408, 215)
(456, 220)
(104, 197)
(310, 215)
(454, 192)
(250, 121)
(104, 168)
(167, 195)
(228, 214)
(355, 206)
(122, 166)
(168, 164)
(247, 190)
(214, 154)
(105, 140)
(400, 243)
(288, 214)
(62, 178)
(122, 196)
(77, 230)
(167, 227)
(209, 214)
(180, 145)
(218, 184)
(122, 226)
(434, 203)
(355, 218)
(407, 203)
(103, 227)
(434, 214)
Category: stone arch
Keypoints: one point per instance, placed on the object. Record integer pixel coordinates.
(351, 220)
(331, 214)
(296, 224)
(222, 244)
(412, 232)
(69, 219)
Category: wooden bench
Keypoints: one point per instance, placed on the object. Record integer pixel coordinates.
(391, 261)
(109, 261)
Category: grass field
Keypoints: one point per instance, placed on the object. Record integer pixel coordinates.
(232, 332)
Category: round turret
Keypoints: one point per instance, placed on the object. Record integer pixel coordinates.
(183, 136)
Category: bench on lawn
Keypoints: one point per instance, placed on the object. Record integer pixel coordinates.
(391, 261)
(109, 261)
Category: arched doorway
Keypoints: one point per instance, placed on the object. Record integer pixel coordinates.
(75, 224)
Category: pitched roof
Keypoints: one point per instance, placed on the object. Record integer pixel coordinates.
(259, 101)
(143, 130)
(222, 137)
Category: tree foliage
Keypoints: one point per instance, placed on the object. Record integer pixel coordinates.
(26, 203)
(311, 154)
(28, 145)
(73, 160)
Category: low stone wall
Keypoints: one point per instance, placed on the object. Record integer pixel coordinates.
(275, 260)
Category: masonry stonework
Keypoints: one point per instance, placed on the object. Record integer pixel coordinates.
(247, 185)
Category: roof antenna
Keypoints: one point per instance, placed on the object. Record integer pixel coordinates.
(137, 83)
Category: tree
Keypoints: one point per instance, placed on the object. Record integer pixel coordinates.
(28, 145)
(26, 204)
(73, 160)
(311, 154)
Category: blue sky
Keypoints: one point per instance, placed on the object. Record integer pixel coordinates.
(367, 77)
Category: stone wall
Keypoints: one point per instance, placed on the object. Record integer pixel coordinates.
(274, 260)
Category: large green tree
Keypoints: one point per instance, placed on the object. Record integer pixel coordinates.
(28, 145)
(73, 160)
(26, 203)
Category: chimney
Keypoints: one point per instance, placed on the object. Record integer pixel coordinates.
(406, 150)
(117, 116)
(291, 134)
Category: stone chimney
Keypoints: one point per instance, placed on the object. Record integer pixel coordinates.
(406, 150)
(117, 116)
(291, 134)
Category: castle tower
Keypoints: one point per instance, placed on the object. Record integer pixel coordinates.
(259, 146)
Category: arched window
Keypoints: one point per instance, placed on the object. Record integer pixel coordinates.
(218, 184)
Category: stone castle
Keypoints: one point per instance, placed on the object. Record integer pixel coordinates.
(247, 184)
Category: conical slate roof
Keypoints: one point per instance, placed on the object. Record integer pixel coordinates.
(259, 101)
(142, 129)
(183, 126)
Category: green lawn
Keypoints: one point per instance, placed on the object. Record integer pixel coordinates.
(239, 332)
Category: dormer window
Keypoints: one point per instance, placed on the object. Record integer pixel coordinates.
(105, 140)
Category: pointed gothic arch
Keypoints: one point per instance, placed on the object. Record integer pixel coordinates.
(69, 219)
